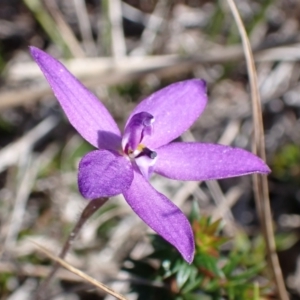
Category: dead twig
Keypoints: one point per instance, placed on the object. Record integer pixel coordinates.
(90, 209)
(92, 71)
(64, 28)
(85, 27)
(33, 270)
(153, 25)
(118, 44)
(10, 154)
(261, 189)
(81, 274)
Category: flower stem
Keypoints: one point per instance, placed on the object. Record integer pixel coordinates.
(89, 210)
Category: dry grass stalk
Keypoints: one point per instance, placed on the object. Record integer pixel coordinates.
(85, 27)
(93, 71)
(118, 44)
(260, 182)
(10, 154)
(81, 274)
(90, 209)
(64, 28)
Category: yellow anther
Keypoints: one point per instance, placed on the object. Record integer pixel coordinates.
(140, 147)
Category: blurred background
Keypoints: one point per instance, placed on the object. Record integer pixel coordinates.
(124, 51)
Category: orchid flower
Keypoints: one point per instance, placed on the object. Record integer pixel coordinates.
(123, 165)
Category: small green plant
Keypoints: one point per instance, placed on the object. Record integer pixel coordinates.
(237, 273)
(286, 163)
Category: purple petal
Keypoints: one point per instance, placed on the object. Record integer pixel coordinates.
(139, 126)
(103, 173)
(159, 213)
(84, 111)
(195, 161)
(175, 108)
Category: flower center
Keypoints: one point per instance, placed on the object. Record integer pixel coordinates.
(139, 126)
(136, 129)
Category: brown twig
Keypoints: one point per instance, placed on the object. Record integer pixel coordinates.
(90, 209)
(118, 44)
(34, 270)
(64, 28)
(93, 71)
(85, 27)
(260, 181)
(153, 25)
(81, 274)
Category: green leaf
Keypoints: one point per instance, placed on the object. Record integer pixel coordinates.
(183, 275)
(209, 264)
(192, 284)
(198, 296)
(285, 241)
(214, 227)
(247, 274)
(232, 264)
(195, 212)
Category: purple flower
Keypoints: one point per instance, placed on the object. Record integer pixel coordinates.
(124, 164)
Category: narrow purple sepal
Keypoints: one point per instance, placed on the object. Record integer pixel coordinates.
(103, 173)
(84, 111)
(197, 161)
(159, 213)
(174, 108)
